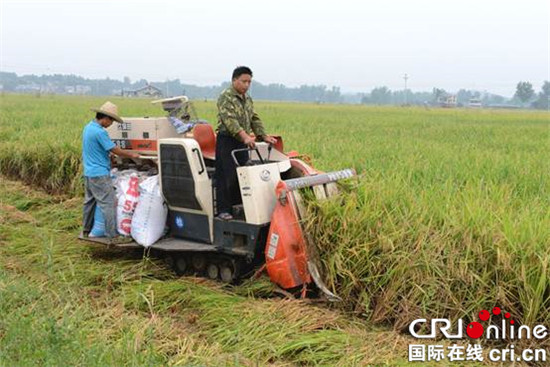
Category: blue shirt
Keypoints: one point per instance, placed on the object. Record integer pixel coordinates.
(96, 145)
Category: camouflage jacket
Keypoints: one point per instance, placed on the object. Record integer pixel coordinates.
(236, 113)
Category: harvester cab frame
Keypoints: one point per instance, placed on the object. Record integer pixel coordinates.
(267, 227)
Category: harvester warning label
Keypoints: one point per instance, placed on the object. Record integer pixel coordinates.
(273, 242)
(124, 126)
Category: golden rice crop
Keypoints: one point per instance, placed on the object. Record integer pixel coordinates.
(450, 214)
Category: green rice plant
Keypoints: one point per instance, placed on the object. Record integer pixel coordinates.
(67, 303)
(450, 214)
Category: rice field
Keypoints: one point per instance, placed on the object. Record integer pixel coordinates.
(68, 304)
(450, 213)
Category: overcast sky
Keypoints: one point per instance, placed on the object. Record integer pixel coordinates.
(357, 45)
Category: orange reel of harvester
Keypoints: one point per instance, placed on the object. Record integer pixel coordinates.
(291, 260)
(285, 252)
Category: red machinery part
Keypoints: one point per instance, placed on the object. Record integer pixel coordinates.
(289, 261)
(302, 167)
(285, 251)
(206, 137)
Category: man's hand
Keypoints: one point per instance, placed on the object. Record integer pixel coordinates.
(124, 153)
(247, 139)
(269, 139)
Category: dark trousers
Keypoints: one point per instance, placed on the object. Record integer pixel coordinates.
(228, 192)
(99, 191)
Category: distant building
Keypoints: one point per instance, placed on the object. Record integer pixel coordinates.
(78, 89)
(31, 87)
(447, 101)
(83, 89)
(475, 103)
(147, 91)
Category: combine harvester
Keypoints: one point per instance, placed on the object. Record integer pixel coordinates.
(266, 230)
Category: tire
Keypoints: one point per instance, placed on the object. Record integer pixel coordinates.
(169, 261)
(198, 262)
(227, 272)
(213, 271)
(180, 265)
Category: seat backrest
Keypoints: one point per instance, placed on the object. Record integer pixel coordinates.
(206, 137)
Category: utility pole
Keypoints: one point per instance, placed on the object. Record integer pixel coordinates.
(405, 77)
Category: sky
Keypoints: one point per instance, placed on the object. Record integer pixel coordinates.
(356, 45)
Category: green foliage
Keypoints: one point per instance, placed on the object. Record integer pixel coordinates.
(543, 101)
(524, 91)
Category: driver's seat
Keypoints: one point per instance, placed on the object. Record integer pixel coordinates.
(206, 137)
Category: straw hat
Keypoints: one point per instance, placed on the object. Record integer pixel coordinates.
(109, 109)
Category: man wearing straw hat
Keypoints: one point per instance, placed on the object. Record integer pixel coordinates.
(96, 146)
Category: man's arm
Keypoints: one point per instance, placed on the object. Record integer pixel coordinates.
(109, 146)
(228, 117)
(124, 153)
(257, 125)
(246, 139)
(259, 130)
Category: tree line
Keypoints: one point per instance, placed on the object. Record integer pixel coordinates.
(525, 95)
(62, 84)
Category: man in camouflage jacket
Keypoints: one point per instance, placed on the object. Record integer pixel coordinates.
(236, 122)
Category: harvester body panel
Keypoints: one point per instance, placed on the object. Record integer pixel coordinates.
(257, 185)
(187, 189)
(141, 134)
